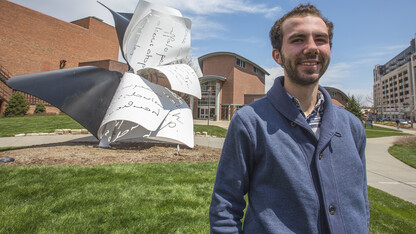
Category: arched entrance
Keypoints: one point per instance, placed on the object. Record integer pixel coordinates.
(209, 104)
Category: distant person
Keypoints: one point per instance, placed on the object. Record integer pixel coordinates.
(397, 123)
(299, 158)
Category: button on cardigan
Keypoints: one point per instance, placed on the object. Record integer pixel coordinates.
(294, 182)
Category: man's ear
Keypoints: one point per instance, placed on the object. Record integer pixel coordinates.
(276, 56)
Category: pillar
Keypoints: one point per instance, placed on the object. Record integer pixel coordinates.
(217, 100)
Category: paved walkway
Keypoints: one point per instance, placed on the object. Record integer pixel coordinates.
(387, 173)
(383, 171)
(221, 123)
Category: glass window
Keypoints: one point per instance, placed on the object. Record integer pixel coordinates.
(208, 93)
(241, 63)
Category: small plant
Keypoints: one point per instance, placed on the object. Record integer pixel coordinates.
(17, 106)
(40, 108)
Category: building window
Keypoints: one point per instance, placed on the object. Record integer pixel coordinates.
(241, 63)
(208, 91)
(255, 69)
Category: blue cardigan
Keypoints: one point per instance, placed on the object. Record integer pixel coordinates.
(295, 182)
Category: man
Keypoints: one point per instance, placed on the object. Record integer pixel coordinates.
(299, 158)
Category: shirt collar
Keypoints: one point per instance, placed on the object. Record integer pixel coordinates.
(318, 106)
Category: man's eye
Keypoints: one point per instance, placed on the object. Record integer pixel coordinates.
(321, 40)
(296, 40)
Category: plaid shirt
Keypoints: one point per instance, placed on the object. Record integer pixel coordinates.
(315, 117)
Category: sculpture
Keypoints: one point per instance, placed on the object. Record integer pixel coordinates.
(152, 40)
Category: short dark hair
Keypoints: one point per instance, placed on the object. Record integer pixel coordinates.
(276, 34)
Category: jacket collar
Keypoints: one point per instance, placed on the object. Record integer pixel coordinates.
(281, 102)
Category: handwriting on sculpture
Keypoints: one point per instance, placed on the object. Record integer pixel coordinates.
(156, 36)
(155, 39)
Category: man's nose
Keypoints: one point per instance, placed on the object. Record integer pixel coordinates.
(311, 47)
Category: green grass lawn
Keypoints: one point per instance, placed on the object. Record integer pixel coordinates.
(406, 154)
(377, 131)
(136, 198)
(389, 214)
(211, 130)
(35, 124)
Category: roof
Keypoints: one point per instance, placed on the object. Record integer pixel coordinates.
(208, 78)
(200, 59)
(337, 90)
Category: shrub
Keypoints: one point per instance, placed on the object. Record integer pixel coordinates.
(409, 141)
(17, 106)
(40, 108)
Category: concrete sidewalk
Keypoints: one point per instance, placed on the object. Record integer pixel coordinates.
(221, 123)
(387, 173)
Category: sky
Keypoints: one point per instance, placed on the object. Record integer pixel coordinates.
(366, 32)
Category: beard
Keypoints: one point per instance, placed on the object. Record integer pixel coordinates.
(309, 77)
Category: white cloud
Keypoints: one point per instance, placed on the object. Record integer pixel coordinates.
(203, 28)
(380, 54)
(396, 47)
(336, 73)
(274, 73)
(221, 6)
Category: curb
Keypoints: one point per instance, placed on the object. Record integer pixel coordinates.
(56, 132)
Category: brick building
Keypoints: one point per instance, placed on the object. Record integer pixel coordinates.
(32, 42)
(229, 82)
(338, 97)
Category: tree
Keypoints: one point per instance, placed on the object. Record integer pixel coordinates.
(17, 106)
(353, 107)
(40, 108)
(370, 100)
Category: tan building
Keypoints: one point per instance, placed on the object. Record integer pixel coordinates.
(394, 86)
(229, 82)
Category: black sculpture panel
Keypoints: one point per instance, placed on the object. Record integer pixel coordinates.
(84, 93)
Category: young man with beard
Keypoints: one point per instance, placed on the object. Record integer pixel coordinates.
(299, 158)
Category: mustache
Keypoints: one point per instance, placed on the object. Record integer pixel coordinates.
(318, 58)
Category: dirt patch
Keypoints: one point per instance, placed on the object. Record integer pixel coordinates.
(86, 153)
